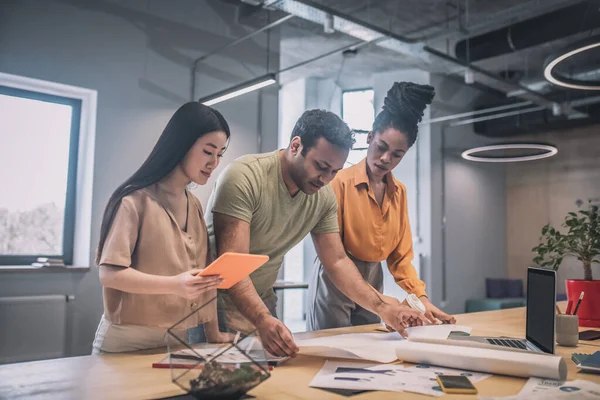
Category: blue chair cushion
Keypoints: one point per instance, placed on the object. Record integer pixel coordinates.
(476, 305)
(503, 288)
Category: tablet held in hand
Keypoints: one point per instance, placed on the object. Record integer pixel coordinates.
(233, 267)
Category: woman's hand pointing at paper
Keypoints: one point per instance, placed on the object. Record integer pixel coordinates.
(398, 316)
(435, 314)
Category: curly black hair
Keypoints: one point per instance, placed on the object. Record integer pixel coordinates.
(314, 124)
(403, 108)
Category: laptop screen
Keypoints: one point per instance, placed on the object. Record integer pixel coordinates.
(541, 307)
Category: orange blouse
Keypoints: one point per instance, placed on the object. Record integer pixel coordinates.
(373, 233)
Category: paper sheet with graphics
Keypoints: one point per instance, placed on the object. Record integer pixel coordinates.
(358, 376)
(433, 371)
(378, 347)
(423, 378)
(394, 378)
(546, 389)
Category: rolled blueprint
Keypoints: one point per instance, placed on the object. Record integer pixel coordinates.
(514, 363)
(378, 347)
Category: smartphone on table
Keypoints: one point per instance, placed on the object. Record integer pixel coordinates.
(589, 335)
(456, 384)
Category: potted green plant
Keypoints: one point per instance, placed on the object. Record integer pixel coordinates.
(580, 239)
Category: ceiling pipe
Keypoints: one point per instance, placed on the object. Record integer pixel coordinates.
(496, 116)
(521, 11)
(543, 86)
(476, 112)
(555, 25)
(527, 94)
(352, 46)
(430, 57)
(318, 13)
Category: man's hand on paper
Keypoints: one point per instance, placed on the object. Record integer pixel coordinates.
(276, 337)
(436, 315)
(398, 316)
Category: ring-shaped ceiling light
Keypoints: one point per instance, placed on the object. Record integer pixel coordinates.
(554, 60)
(548, 151)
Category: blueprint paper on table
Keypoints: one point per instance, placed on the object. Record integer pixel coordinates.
(423, 380)
(378, 347)
(433, 370)
(394, 378)
(546, 389)
(441, 331)
(357, 376)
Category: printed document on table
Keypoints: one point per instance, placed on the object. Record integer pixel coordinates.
(378, 347)
(546, 389)
(390, 377)
(433, 371)
(357, 376)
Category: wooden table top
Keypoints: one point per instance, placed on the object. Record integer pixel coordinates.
(130, 376)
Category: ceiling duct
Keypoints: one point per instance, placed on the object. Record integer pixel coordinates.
(321, 15)
(544, 120)
(543, 86)
(418, 53)
(555, 25)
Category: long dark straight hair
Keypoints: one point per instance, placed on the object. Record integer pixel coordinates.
(190, 122)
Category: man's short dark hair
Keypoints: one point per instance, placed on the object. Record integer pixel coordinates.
(314, 124)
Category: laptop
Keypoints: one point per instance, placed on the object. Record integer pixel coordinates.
(541, 314)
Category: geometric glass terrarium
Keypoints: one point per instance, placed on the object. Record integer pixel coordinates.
(215, 370)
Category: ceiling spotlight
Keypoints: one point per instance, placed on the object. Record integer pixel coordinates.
(471, 154)
(574, 49)
(328, 24)
(469, 76)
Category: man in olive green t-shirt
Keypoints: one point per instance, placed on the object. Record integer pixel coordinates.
(266, 204)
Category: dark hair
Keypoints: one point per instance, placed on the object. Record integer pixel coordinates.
(314, 124)
(190, 122)
(403, 108)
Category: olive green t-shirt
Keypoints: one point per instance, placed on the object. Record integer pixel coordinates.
(251, 188)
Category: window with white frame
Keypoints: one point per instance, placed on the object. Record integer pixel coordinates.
(39, 135)
(358, 111)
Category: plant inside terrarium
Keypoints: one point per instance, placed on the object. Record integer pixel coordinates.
(213, 370)
(224, 381)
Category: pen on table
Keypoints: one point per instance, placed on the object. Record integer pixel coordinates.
(578, 303)
(569, 307)
(188, 357)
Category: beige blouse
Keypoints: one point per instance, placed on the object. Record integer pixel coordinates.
(145, 235)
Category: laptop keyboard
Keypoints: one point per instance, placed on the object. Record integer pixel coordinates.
(517, 344)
